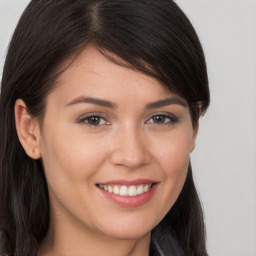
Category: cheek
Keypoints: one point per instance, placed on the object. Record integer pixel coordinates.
(173, 158)
(68, 158)
(71, 163)
(175, 165)
(173, 152)
(72, 158)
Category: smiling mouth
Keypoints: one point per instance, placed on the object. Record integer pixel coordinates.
(122, 190)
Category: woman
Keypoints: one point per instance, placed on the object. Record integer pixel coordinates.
(99, 110)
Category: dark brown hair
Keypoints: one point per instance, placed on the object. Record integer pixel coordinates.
(153, 37)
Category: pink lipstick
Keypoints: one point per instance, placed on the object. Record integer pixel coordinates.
(128, 193)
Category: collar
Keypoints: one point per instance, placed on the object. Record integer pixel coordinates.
(164, 244)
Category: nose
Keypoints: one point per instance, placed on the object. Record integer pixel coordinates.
(130, 148)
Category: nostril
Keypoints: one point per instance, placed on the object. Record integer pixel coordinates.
(130, 147)
(129, 158)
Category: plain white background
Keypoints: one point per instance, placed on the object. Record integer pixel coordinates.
(224, 160)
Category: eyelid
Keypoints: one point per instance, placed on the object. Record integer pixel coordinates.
(82, 119)
(172, 117)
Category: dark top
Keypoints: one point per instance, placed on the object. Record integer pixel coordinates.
(2, 240)
(164, 244)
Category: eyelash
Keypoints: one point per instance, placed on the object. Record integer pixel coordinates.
(172, 119)
(85, 120)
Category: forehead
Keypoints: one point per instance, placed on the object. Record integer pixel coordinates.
(91, 72)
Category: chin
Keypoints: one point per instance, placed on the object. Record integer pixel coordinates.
(131, 234)
(128, 229)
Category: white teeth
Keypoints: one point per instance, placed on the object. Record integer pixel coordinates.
(140, 190)
(110, 190)
(116, 190)
(132, 191)
(126, 190)
(146, 188)
(123, 191)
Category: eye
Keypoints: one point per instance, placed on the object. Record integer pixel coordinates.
(93, 120)
(162, 119)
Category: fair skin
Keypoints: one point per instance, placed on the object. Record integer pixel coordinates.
(107, 125)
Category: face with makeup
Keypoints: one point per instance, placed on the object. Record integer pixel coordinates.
(115, 147)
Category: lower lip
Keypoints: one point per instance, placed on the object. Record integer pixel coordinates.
(130, 201)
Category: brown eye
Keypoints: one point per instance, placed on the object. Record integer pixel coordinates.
(159, 119)
(93, 120)
(162, 119)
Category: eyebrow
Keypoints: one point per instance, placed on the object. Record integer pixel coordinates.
(100, 102)
(109, 104)
(166, 102)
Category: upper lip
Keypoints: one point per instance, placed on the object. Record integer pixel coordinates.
(129, 182)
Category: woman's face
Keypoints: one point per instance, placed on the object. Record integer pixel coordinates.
(110, 131)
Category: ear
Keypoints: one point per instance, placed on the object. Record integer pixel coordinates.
(27, 129)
